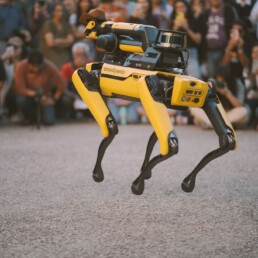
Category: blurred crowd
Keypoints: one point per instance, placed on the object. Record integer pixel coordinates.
(42, 44)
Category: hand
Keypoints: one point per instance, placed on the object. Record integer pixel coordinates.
(240, 43)
(231, 45)
(45, 101)
(38, 95)
(185, 25)
(138, 11)
(223, 90)
(181, 24)
(177, 24)
(9, 53)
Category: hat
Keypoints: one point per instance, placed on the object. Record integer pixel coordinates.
(15, 41)
(94, 14)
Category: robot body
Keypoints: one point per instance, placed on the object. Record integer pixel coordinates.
(139, 65)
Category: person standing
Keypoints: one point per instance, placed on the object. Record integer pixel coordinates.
(182, 20)
(57, 37)
(11, 21)
(217, 22)
(36, 17)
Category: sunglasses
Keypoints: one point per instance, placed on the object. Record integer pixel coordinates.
(12, 45)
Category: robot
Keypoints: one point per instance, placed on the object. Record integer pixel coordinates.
(143, 63)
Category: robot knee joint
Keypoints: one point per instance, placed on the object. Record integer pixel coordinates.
(173, 144)
(228, 141)
(112, 125)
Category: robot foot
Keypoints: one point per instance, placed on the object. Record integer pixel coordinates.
(228, 143)
(98, 174)
(138, 184)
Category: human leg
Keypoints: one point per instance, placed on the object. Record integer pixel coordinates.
(27, 106)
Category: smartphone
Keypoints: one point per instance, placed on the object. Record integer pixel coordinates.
(10, 50)
(180, 16)
(235, 35)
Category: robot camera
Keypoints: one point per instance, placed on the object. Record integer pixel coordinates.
(172, 39)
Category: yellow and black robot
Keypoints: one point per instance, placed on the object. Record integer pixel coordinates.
(142, 63)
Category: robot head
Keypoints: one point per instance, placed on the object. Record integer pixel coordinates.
(94, 14)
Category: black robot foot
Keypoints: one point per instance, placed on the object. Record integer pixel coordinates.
(137, 187)
(187, 187)
(98, 175)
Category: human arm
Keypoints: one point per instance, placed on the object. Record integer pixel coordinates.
(36, 17)
(21, 85)
(53, 42)
(58, 80)
(196, 37)
(226, 92)
(236, 45)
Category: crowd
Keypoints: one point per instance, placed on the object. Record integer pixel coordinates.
(42, 44)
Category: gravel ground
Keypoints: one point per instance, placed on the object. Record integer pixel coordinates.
(51, 207)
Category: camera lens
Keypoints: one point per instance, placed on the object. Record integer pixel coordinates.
(220, 84)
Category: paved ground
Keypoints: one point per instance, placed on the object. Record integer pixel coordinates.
(51, 207)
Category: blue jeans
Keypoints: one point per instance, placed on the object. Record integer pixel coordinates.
(30, 109)
(213, 59)
(193, 67)
(132, 116)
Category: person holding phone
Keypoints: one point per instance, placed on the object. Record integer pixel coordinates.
(182, 20)
(238, 49)
(229, 90)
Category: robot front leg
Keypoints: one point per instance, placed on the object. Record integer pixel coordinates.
(88, 88)
(227, 139)
(163, 131)
(153, 139)
(138, 184)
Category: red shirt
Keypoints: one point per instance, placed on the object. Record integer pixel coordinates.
(44, 79)
(67, 71)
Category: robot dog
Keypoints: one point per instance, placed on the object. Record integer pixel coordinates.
(142, 63)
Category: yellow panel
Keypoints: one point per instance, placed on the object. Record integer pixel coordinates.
(95, 103)
(158, 116)
(124, 81)
(189, 91)
(130, 48)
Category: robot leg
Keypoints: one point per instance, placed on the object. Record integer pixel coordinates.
(163, 131)
(153, 139)
(227, 140)
(88, 88)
